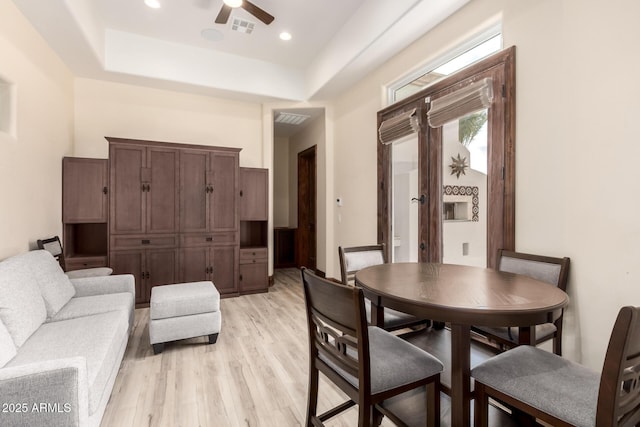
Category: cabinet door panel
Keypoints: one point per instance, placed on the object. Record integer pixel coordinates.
(224, 268)
(254, 277)
(194, 197)
(83, 185)
(224, 211)
(162, 267)
(131, 262)
(254, 193)
(195, 264)
(126, 196)
(162, 201)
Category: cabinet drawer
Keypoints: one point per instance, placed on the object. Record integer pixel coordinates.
(78, 263)
(207, 239)
(144, 241)
(251, 255)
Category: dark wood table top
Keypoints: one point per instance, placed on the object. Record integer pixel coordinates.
(463, 294)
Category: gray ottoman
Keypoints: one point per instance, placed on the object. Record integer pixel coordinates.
(182, 311)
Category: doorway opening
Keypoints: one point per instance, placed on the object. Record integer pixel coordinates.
(299, 138)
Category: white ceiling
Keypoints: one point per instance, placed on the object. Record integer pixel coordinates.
(334, 43)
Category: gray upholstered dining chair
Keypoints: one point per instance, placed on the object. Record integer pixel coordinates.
(367, 363)
(54, 247)
(551, 270)
(563, 393)
(355, 258)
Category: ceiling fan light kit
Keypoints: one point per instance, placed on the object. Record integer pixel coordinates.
(233, 3)
(225, 11)
(153, 4)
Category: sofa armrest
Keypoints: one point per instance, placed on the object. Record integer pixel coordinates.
(100, 285)
(53, 392)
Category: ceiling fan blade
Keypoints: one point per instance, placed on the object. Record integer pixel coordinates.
(257, 12)
(223, 16)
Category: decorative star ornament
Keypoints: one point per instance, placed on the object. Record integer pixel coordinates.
(458, 166)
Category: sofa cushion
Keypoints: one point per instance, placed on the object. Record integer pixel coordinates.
(87, 306)
(7, 347)
(98, 338)
(22, 308)
(55, 287)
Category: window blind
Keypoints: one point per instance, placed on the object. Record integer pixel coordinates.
(398, 126)
(469, 99)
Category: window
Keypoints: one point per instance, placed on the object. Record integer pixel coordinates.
(472, 51)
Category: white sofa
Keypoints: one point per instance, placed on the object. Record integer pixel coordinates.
(61, 341)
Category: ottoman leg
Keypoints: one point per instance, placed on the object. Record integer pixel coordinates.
(213, 338)
(157, 348)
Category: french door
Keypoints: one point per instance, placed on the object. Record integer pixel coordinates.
(446, 193)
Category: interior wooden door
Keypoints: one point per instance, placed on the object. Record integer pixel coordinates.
(126, 202)
(162, 207)
(306, 242)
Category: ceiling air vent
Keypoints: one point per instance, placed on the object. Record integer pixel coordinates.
(291, 118)
(242, 26)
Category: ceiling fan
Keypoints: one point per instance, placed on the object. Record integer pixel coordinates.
(225, 11)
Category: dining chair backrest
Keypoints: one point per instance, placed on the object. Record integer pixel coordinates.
(550, 270)
(337, 325)
(369, 364)
(53, 246)
(619, 392)
(356, 258)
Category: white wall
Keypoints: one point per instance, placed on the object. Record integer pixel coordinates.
(281, 204)
(127, 111)
(31, 164)
(576, 146)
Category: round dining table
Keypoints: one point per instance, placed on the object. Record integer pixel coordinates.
(462, 296)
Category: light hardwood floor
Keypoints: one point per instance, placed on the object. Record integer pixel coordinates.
(255, 375)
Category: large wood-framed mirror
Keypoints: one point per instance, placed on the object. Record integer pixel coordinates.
(447, 194)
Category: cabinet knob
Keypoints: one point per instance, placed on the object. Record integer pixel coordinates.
(209, 239)
(105, 190)
(146, 241)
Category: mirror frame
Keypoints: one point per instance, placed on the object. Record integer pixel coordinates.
(501, 158)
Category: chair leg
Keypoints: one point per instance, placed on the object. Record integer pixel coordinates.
(364, 414)
(481, 406)
(376, 416)
(312, 404)
(433, 404)
(557, 339)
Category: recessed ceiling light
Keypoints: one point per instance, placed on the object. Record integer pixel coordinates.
(211, 34)
(233, 3)
(285, 36)
(153, 4)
